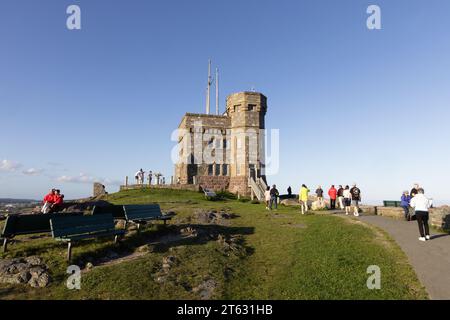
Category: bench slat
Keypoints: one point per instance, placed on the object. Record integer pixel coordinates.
(82, 227)
(142, 212)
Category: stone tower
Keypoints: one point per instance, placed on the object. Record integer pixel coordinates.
(237, 140)
(247, 111)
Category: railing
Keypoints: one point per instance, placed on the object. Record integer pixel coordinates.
(256, 188)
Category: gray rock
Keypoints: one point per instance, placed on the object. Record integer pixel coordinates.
(33, 260)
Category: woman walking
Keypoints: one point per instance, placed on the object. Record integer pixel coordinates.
(421, 205)
(347, 200)
(405, 200)
(304, 198)
(267, 197)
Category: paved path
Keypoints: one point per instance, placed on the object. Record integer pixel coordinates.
(430, 260)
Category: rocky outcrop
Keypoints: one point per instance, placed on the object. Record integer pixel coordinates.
(30, 270)
(212, 217)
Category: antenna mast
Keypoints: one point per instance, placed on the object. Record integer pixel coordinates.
(208, 89)
(217, 91)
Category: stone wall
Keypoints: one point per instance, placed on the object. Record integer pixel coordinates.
(99, 189)
(440, 217)
(216, 183)
(239, 185)
(392, 212)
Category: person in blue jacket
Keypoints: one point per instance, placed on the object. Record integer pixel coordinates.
(405, 200)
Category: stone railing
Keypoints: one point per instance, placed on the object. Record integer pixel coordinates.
(188, 187)
(439, 217)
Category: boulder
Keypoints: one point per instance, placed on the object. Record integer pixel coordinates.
(29, 270)
(290, 202)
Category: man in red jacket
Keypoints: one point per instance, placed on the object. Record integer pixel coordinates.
(333, 194)
(58, 200)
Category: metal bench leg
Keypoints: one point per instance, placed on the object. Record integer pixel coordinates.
(5, 244)
(138, 227)
(69, 251)
(116, 238)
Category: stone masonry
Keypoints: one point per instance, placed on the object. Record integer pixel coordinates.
(221, 152)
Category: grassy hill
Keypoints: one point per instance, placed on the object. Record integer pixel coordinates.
(256, 255)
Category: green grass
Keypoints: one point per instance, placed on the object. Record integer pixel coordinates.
(289, 256)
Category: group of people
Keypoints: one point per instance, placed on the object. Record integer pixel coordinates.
(53, 201)
(420, 204)
(346, 197)
(140, 177)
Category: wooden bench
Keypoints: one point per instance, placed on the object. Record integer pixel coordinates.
(391, 203)
(116, 211)
(141, 214)
(28, 224)
(69, 229)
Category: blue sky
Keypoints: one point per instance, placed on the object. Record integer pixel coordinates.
(352, 105)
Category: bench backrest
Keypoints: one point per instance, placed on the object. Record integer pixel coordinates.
(73, 227)
(391, 203)
(116, 211)
(142, 212)
(30, 224)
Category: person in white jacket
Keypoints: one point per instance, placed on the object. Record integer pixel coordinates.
(267, 197)
(421, 206)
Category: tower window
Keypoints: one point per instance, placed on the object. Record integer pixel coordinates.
(210, 170)
(251, 107)
(217, 169)
(236, 107)
(224, 170)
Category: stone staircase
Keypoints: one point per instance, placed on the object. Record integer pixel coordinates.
(258, 187)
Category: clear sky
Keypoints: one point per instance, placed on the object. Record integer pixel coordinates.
(352, 105)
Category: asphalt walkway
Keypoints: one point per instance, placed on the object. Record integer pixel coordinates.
(430, 259)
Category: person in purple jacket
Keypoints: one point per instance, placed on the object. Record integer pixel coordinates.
(405, 200)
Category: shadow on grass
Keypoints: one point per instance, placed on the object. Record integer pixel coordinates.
(160, 237)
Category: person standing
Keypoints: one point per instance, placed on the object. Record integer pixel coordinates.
(404, 203)
(414, 190)
(347, 199)
(340, 196)
(319, 193)
(273, 197)
(267, 197)
(289, 191)
(333, 194)
(150, 176)
(421, 206)
(356, 199)
(303, 197)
